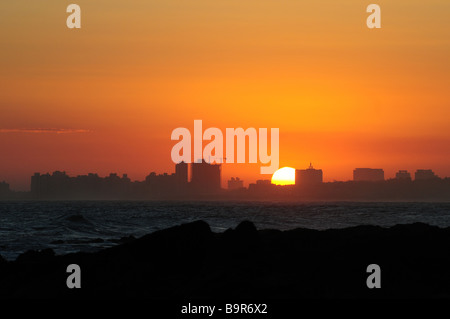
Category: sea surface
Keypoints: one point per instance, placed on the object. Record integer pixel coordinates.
(72, 226)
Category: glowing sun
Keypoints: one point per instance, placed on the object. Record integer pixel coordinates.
(284, 176)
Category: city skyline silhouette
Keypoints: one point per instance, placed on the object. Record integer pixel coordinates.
(203, 181)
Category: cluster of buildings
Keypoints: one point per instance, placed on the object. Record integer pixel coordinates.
(311, 176)
(203, 180)
(368, 184)
(377, 174)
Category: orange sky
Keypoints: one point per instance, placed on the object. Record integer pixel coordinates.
(342, 95)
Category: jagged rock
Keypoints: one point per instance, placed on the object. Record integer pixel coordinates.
(189, 261)
(127, 239)
(36, 256)
(246, 229)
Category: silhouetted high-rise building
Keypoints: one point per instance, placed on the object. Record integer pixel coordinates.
(205, 177)
(181, 173)
(50, 186)
(403, 175)
(235, 183)
(35, 184)
(368, 174)
(4, 190)
(309, 176)
(424, 174)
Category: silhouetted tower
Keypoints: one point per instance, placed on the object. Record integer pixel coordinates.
(309, 176)
(181, 173)
(206, 177)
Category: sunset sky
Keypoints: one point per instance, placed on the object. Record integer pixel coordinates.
(106, 98)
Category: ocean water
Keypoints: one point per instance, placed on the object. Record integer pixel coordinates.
(71, 226)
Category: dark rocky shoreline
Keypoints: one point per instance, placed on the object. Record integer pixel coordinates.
(190, 261)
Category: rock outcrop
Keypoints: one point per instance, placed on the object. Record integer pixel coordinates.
(190, 261)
